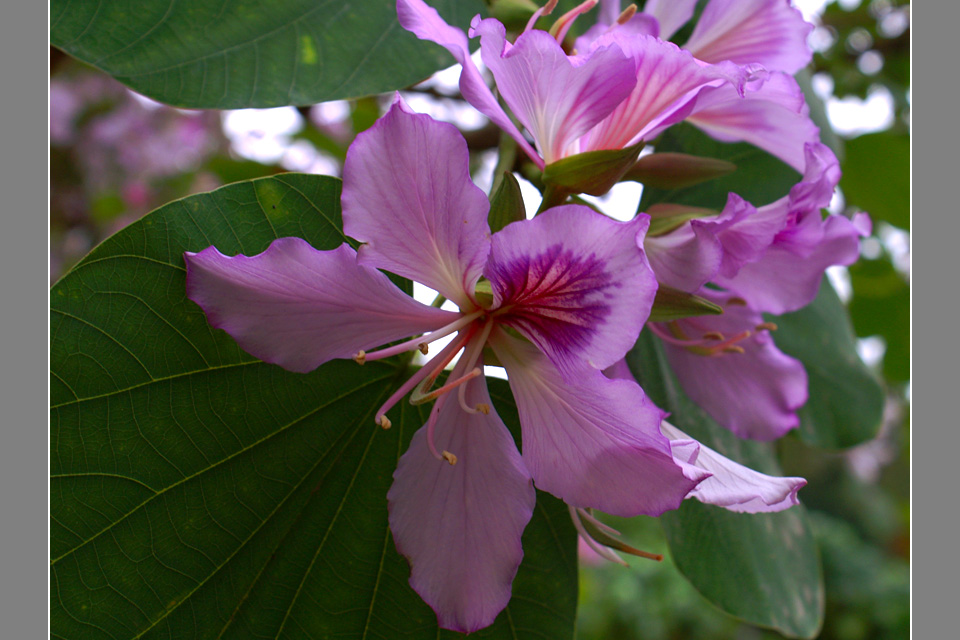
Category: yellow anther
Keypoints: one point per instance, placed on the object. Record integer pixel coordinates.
(449, 457)
(384, 422)
(424, 348)
(733, 349)
(361, 357)
(768, 326)
(713, 335)
(484, 408)
(740, 302)
(628, 13)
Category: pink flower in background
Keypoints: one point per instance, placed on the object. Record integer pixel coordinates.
(555, 299)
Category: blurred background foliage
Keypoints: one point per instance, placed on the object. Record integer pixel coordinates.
(116, 155)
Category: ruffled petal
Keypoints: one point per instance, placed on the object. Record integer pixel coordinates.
(745, 232)
(783, 280)
(407, 194)
(298, 307)
(557, 97)
(668, 81)
(768, 32)
(754, 394)
(686, 258)
(460, 526)
(671, 14)
(771, 115)
(732, 485)
(425, 23)
(594, 443)
(575, 282)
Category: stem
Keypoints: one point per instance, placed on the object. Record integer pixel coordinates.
(552, 197)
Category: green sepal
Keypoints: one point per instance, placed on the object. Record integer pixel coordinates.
(665, 217)
(592, 172)
(671, 304)
(677, 170)
(608, 540)
(506, 203)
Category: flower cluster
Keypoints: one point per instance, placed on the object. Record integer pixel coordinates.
(558, 299)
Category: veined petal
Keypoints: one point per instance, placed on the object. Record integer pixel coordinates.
(732, 485)
(668, 80)
(425, 23)
(558, 98)
(575, 282)
(298, 307)
(768, 32)
(745, 232)
(671, 14)
(460, 526)
(756, 393)
(771, 115)
(593, 443)
(407, 194)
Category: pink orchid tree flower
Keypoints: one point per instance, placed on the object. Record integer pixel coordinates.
(768, 259)
(555, 299)
(619, 90)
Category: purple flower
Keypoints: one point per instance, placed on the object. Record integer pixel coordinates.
(623, 88)
(767, 259)
(555, 299)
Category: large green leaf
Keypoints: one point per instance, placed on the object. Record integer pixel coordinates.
(229, 54)
(199, 493)
(845, 405)
(759, 177)
(762, 568)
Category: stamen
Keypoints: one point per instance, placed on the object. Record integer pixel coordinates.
(420, 342)
(424, 349)
(431, 427)
(471, 357)
(600, 525)
(713, 335)
(484, 408)
(420, 398)
(603, 552)
(384, 422)
(733, 349)
(562, 25)
(449, 457)
(434, 367)
(766, 326)
(627, 13)
(740, 302)
(545, 10)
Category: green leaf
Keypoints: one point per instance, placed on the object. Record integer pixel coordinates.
(881, 306)
(197, 492)
(846, 400)
(215, 55)
(759, 177)
(876, 176)
(761, 568)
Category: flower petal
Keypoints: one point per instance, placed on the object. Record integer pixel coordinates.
(460, 526)
(594, 443)
(668, 80)
(686, 258)
(771, 115)
(575, 282)
(407, 194)
(768, 32)
(732, 485)
(557, 97)
(425, 23)
(754, 394)
(298, 307)
(671, 14)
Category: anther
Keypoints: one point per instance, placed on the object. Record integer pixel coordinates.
(740, 302)
(424, 348)
(449, 457)
(627, 13)
(484, 408)
(713, 335)
(361, 357)
(384, 422)
(733, 349)
(766, 326)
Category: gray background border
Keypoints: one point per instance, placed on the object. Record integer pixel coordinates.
(24, 280)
